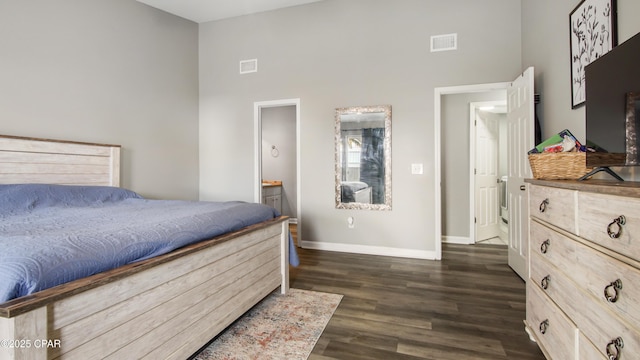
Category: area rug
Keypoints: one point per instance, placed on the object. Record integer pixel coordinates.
(279, 327)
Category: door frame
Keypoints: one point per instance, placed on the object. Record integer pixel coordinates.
(473, 107)
(257, 122)
(438, 93)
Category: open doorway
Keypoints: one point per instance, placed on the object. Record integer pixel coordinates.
(277, 160)
(453, 186)
(520, 138)
(488, 171)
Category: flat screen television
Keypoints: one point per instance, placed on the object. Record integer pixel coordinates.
(613, 107)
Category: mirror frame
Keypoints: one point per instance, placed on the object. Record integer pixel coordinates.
(632, 121)
(386, 109)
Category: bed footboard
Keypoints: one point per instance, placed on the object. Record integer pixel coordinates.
(162, 308)
(364, 196)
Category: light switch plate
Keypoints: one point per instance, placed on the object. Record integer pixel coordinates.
(416, 169)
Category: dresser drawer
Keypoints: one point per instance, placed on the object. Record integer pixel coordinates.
(553, 205)
(612, 283)
(271, 190)
(599, 324)
(553, 283)
(553, 331)
(554, 247)
(605, 341)
(587, 351)
(591, 270)
(599, 212)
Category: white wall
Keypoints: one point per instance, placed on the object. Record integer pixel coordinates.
(106, 71)
(346, 53)
(545, 45)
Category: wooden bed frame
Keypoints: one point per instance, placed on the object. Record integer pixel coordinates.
(165, 307)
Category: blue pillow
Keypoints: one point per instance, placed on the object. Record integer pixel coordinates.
(21, 197)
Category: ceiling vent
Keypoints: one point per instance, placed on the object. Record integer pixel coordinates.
(248, 66)
(444, 42)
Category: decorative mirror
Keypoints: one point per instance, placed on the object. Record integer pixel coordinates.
(363, 157)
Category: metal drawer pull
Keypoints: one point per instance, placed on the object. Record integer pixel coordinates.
(616, 344)
(544, 326)
(621, 220)
(544, 247)
(615, 286)
(543, 205)
(545, 282)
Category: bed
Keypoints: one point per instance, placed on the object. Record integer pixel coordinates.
(356, 191)
(164, 306)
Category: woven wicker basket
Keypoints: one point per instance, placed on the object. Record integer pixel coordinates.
(559, 166)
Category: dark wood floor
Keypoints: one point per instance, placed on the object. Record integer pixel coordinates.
(468, 306)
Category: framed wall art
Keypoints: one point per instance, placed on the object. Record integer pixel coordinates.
(592, 34)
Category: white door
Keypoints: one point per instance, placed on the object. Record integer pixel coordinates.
(520, 139)
(486, 177)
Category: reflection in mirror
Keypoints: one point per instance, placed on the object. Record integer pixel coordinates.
(363, 157)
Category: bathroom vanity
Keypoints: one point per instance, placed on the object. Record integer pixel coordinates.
(272, 194)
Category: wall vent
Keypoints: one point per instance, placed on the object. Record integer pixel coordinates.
(248, 66)
(444, 42)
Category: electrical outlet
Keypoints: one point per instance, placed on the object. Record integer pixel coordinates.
(416, 169)
(351, 222)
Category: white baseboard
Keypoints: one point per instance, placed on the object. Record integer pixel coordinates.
(457, 240)
(369, 250)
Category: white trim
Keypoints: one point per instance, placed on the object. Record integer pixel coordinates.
(257, 131)
(457, 240)
(369, 250)
(473, 229)
(437, 192)
(463, 89)
(438, 93)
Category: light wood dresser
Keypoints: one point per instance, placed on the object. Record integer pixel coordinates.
(583, 291)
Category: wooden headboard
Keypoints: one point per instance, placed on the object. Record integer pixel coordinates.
(31, 160)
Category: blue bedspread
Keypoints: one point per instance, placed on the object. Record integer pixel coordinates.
(53, 234)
